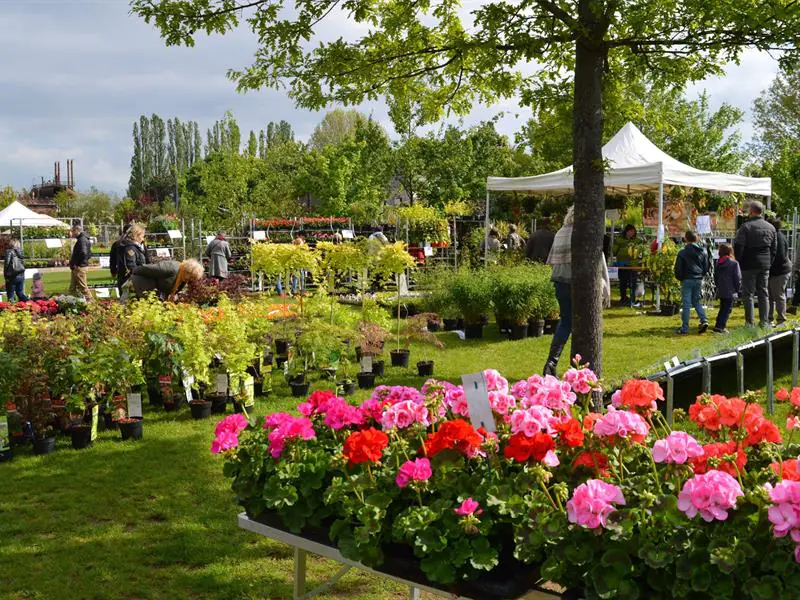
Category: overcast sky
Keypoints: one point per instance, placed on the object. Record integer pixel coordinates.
(75, 74)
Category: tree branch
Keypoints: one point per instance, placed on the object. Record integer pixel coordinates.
(558, 12)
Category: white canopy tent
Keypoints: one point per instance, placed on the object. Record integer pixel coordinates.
(17, 214)
(635, 164)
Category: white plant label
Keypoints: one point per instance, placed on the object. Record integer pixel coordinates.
(174, 234)
(102, 293)
(366, 364)
(480, 412)
(134, 405)
(222, 383)
(162, 252)
(52, 243)
(347, 234)
(428, 250)
(667, 366)
(675, 362)
(188, 381)
(260, 236)
(105, 262)
(30, 272)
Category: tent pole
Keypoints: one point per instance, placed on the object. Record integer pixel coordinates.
(486, 232)
(769, 202)
(660, 232)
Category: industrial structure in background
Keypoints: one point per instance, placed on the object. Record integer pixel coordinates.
(41, 197)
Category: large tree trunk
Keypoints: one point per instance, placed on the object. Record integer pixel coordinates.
(589, 227)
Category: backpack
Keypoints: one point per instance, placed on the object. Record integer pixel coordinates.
(14, 266)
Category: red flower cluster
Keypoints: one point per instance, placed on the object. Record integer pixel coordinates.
(365, 446)
(594, 461)
(522, 448)
(712, 413)
(281, 222)
(790, 470)
(570, 433)
(455, 435)
(45, 307)
(719, 450)
(640, 394)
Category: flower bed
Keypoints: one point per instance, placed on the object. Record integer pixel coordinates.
(616, 501)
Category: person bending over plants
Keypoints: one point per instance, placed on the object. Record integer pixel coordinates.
(166, 278)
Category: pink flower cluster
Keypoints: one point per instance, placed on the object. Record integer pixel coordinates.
(468, 507)
(495, 382)
(520, 390)
(582, 381)
(622, 424)
(285, 427)
(550, 392)
(226, 433)
(456, 400)
(384, 395)
(337, 412)
(592, 502)
(413, 470)
(502, 403)
(532, 421)
(404, 414)
(711, 494)
(676, 448)
(784, 514)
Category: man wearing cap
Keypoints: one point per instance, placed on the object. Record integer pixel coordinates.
(755, 246)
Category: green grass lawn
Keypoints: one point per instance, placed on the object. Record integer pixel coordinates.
(156, 519)
(57, 282)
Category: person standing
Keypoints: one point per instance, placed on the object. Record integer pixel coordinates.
(539, 244)
(627, 252)
(514, 240)
(755, 247)
(79, 263)
(728, 281)
(779, 274)
(113, 254)
(560, 259)
(691, 266)
(131, 253)
(14, 272)
(218, 253)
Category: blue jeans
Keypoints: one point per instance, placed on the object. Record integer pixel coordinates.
(690, 294)
(16, 286)
(725, 308)
(564, 297)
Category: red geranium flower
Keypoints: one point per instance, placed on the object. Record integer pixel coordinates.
(597, 462)
(640, 393)
(570, 433)
(365, 446)
(718, 450)
(522, 448)
(760, 430)
(589, 420)
(790, 471)
(455, 435)
(794, 397)
(782, 395)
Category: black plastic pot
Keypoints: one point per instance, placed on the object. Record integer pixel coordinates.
(81, 437)
(518, 331)
(366, 381)
(450, 324)
(258, 388)
(154, 397)
(268, 357)
(473, 331)
(175, 405)
(280, 361)
(132, 430)
(434, 326)
(109, 422)
(550, 326)
(240, 408)
(484, 320)
(670, 310)
(299, 378)
(219, 402)
(399, 358)
(44, 445)
(358, 352)
(348, 388)
(425, 368)
(536, 327)
(378, 367)
(504, 325)
(201, 410)
(299, 389)
(281, 347)
(460, 324)
(329, 372)
(6, 456)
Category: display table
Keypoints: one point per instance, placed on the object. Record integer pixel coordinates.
(303, 545)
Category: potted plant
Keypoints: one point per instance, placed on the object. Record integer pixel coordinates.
(472, 296)
(416, 330)
(660, 267)
(394, 260)
(229, 336)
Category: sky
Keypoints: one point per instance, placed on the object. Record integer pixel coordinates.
(76, 74)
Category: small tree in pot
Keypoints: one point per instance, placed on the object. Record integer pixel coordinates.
(394, 260)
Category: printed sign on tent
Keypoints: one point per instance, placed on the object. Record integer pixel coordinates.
(480, 412)
(135, 405)
(174, 234)
(703, 224)
(260, 235)
(52, 243)
(105, 262)
(162, 252)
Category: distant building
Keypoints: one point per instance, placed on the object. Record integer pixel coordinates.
(41, 198)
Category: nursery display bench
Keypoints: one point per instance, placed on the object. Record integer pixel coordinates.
(302, 546)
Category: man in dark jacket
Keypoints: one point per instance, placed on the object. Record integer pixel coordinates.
(779, 274)
(755, 246)
(79, 263)
(538, 247)
(691, 267)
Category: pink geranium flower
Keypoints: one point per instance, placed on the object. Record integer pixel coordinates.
(339, 414)
(495, 382)
(501, 402)
(404, 414)
(622, 424)
(457, 401)
(711, 494)
(286, 427)
(550, 392)
(532, 421)
(468, 507)
(676, 448)
(592, 503)
(226, 433)
(413, 470)
(582, 381)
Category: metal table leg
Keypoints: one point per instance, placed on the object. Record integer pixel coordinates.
(299, 574)
(413, 593)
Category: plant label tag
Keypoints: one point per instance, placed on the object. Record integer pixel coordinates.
(95, 415)
(222, 383)
(347, 234)
(703, 224)
(480, 412)
(461, 335)
(188, 382)
(134, 405)
(52, 243)
(249, 392)
(162, 252)
(427, 250)
(174, 234)
(105, 262)
(675, 362)
(366, 364)
(260, 236)
(30, 272)
(5, 436)
(668, 366)
(102, 293)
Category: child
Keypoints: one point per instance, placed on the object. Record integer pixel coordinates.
(37, 290)
(690, 267)
(728, 279)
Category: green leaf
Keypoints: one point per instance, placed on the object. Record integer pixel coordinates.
(430, 540)
(483, 555)
(438, 568)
